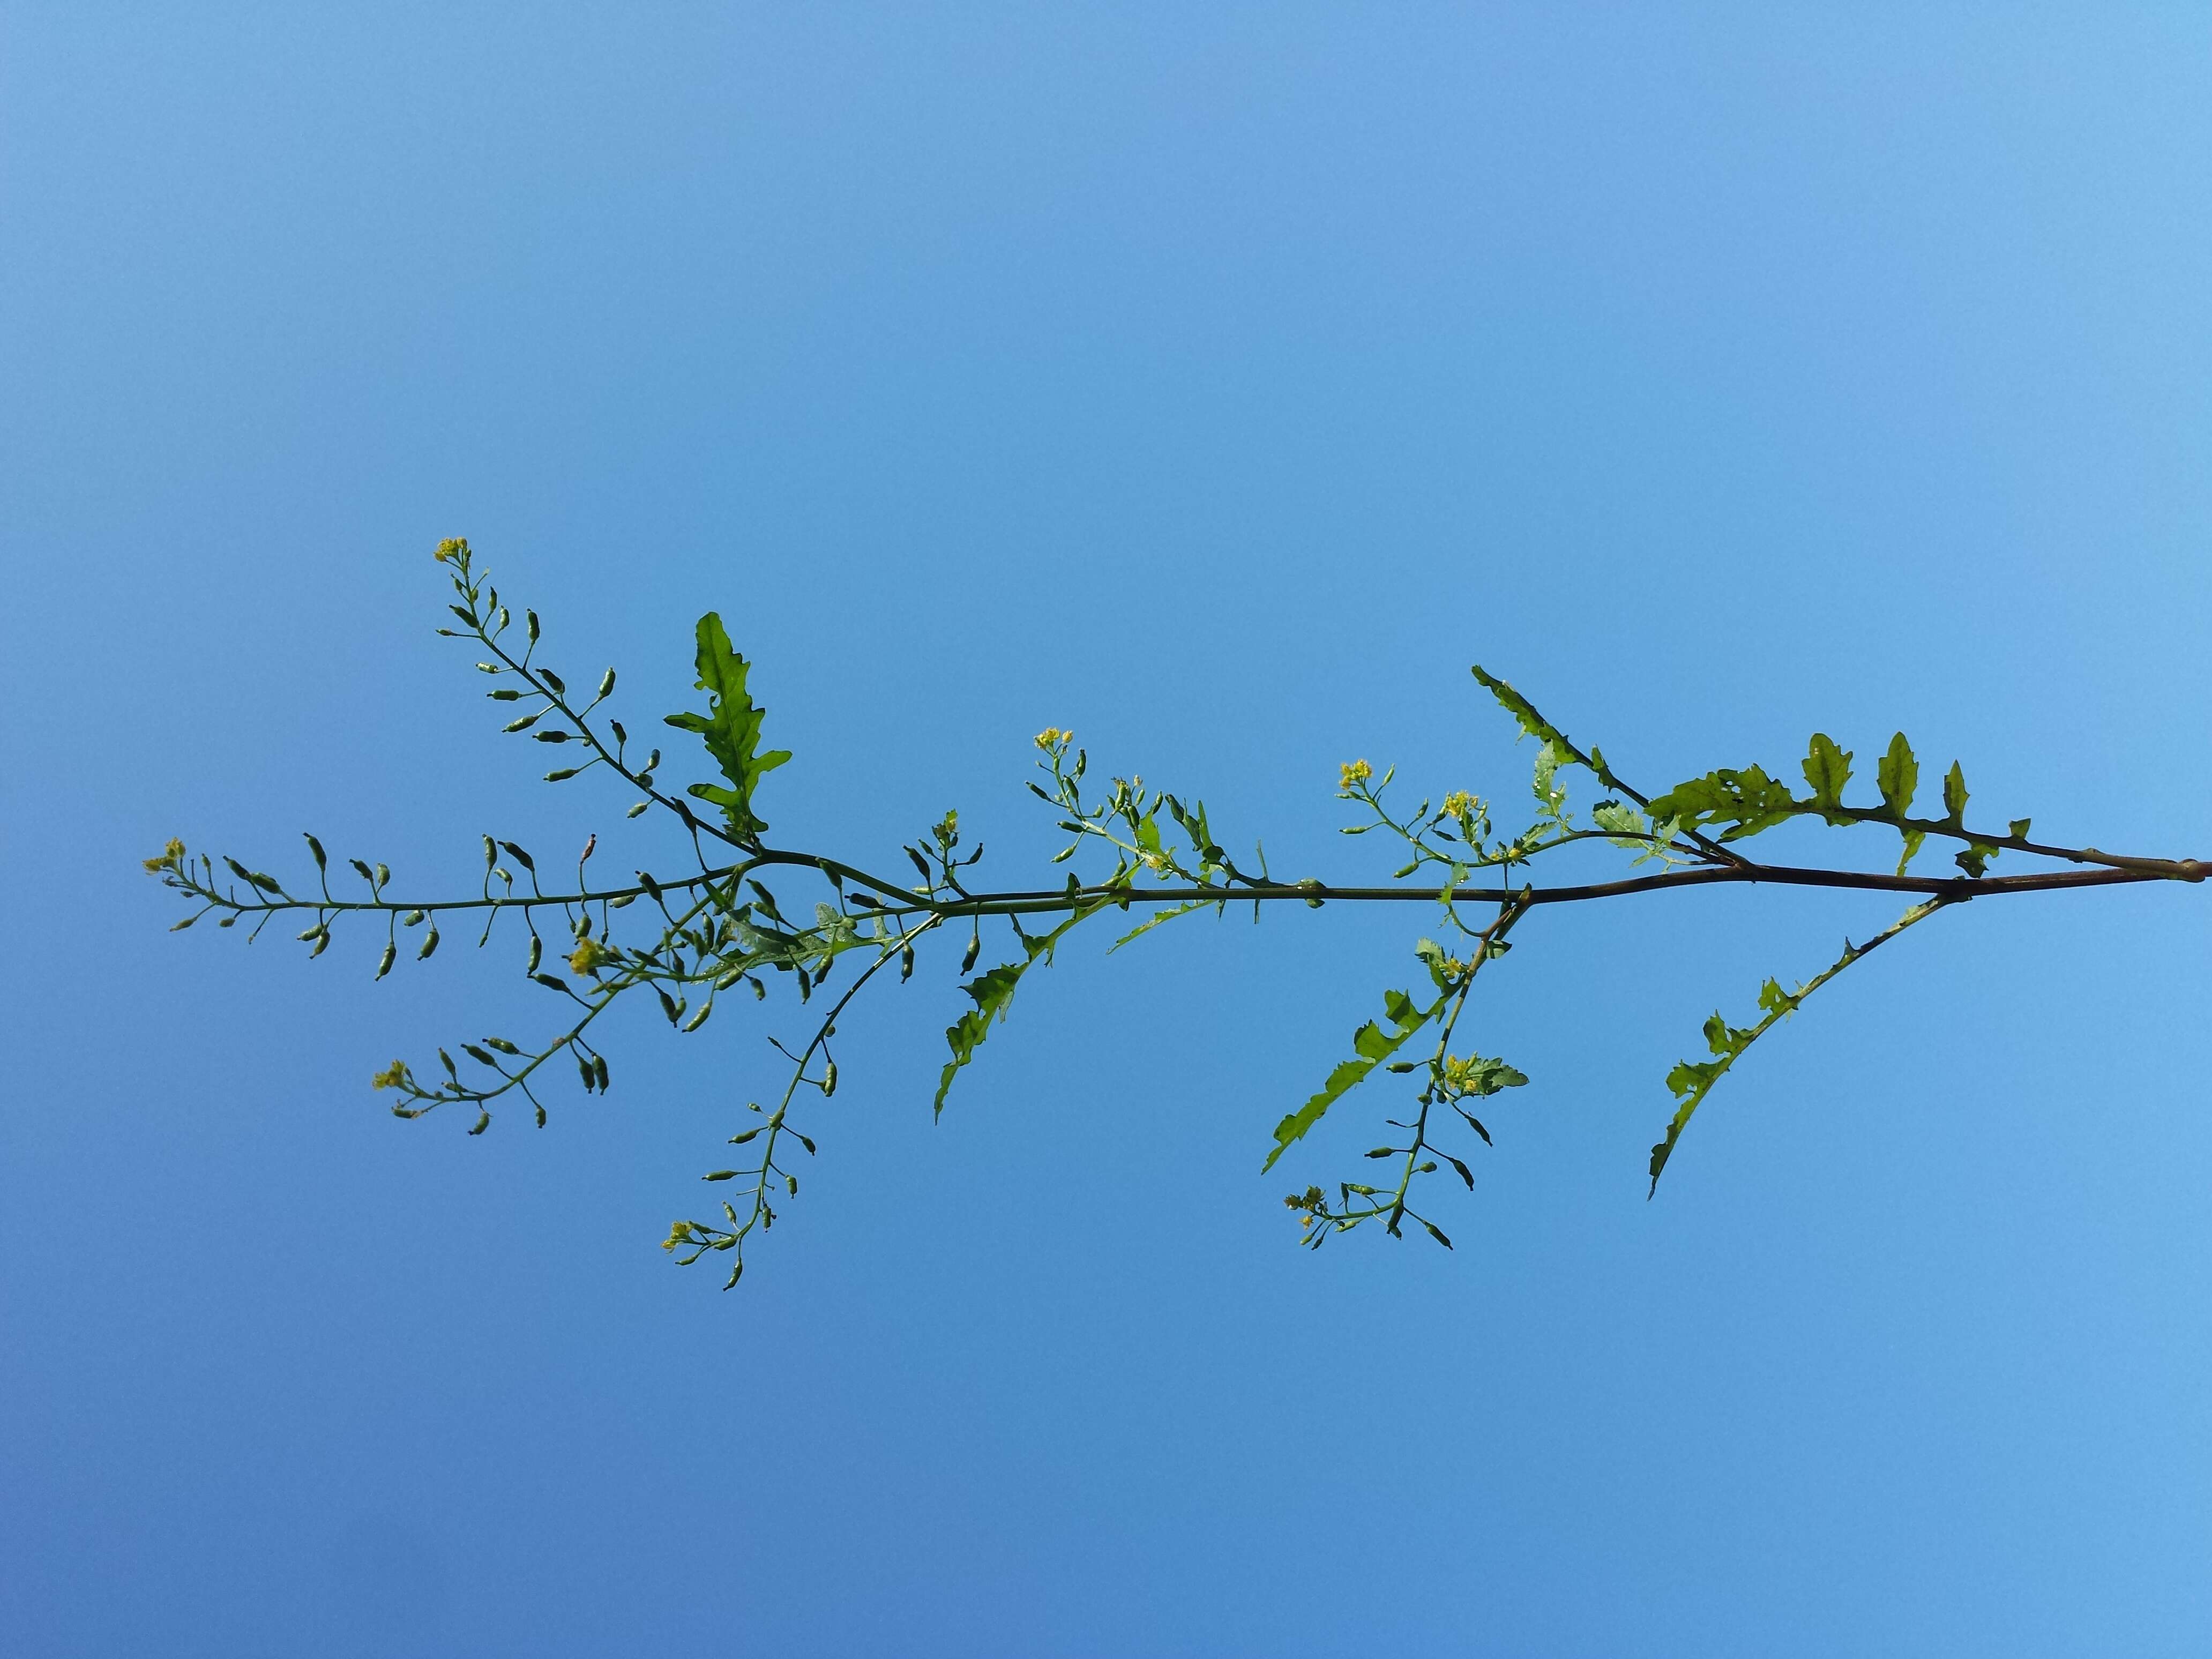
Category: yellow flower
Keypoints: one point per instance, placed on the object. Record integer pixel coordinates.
(1354, 772)
(451, 548)
(172, 857)
(393, 1076)
(1052, 737)
(1460, 804)
(1461, 1076)
(588, 956)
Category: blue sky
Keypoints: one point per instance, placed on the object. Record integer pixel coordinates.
(1219, 384)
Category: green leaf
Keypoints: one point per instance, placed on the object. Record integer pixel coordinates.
(2018, 829)
(1773, 1000)
(1433, 957)
(1747, 800)
(1373, 1045)
(1955, 793)
(1691, 1081)
(1550, 796)
(1913, 838)
(1827, 770)
(731, 728)
(1533, 725)
(1168, 915)
(1898, 774)
(1975, 861)
(993, 994)
(1621, 819)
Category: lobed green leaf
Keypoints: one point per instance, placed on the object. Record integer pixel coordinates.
(1373, 1045)
(731, 728)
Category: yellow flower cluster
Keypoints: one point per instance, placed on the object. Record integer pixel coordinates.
(1354, 772)
(1461, 805)
(1053, 737)
(393, 1076)
(680, 1234)
(454, 547)
(172, 857)
(1461, 1075)
(589, 956)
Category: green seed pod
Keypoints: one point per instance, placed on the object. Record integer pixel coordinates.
(599, 1066)
(430, 943)
(906, 964)
(316, 847)
(829, 1078)
(529, 621)
(607, 684)
(536, 954)
(974, 949)
(384, 963)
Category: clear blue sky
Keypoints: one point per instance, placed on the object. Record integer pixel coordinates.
(1220, 382)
